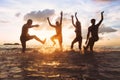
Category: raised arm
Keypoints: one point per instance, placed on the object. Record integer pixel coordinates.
(61, 17)
(76, 16)
(72, 21)
(50, 22)
(101, 19)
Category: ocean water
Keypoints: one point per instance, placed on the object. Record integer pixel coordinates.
(96, 48)
(104, 64)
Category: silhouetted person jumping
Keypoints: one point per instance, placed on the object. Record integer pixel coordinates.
(25, 36)
(93, 29)
(78, 37)
(58, 28)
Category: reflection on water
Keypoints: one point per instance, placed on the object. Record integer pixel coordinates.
(53, 63)
(69, 65)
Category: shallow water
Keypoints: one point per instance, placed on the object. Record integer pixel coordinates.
(67, 65)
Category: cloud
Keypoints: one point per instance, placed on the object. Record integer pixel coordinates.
(105, 0)
(3, 21)
(18, 14)
(104, 29)
(39, 15)
(112, 16)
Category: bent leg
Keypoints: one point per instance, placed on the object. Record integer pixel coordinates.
(92, 43)
(52, 39)
(89, 43)
(35, 37)
(72, 44)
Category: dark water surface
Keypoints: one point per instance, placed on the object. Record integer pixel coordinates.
(67, 65)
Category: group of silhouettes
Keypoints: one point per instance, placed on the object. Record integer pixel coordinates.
(92, 30)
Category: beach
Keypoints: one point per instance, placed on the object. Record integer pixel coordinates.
(66, 65)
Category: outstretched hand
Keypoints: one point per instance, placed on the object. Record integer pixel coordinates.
(102, 12)
(47, 18)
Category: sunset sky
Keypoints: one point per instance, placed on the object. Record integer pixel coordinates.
(14, 13)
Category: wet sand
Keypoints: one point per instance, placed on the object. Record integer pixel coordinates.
(67, 65)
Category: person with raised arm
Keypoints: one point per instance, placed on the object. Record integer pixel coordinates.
(25, 36)
(93, 30)
(58, 28)
(78, 37)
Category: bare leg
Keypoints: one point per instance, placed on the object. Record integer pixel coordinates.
(89, 42)
(35, 37)
(23, 46)
(60, 43)
(80, 43)
(91, 46)
(74, 41)
(52, 39)
(61, 46)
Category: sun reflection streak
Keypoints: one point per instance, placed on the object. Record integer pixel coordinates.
(53, 63)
